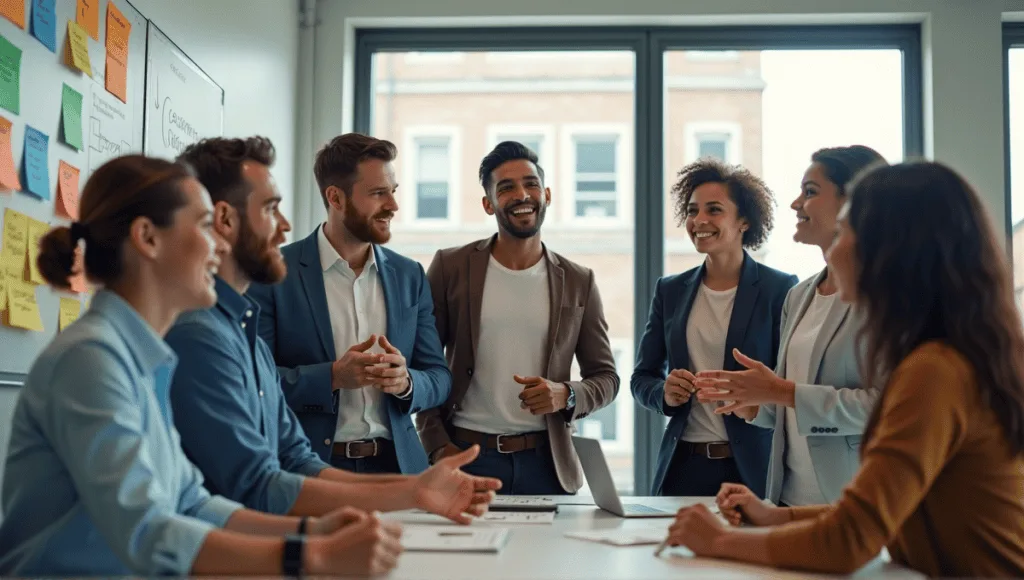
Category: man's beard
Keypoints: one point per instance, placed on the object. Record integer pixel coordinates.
(361, 226)
(505, 219)
(257, 258)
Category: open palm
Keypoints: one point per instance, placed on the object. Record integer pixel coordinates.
(446, 490)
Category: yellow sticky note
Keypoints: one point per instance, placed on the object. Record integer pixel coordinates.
(15, 234)
(3, 290)
(70, 310)
(36, 231)
(22, 309)
(13, 267)
(78, 48)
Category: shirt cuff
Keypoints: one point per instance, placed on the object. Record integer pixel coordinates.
(311, 468)
(217, 510)
(176, 550)
(283, 490)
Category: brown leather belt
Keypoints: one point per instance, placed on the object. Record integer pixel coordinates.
(502, 443)
(713, 450)
(362, 449)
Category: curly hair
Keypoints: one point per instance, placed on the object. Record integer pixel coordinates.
(754, 201)
(938, 276)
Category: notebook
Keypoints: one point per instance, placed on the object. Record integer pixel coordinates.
(454, 539)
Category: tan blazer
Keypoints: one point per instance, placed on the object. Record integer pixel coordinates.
(577, 327)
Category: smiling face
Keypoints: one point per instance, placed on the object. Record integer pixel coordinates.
(519, 199)
(712, 220)
(816, 208)
(368, 210)
(262, 230)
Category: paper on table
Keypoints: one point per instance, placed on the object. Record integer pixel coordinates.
(44, 23)
(449, 539)
(22, 309)
(37, 170)
(14, 10)
(10, 76)
(36, 231)
(8, 174)
(15, 234)
(70, 310)
(77, 54)
(119, 29)
(71, 107)
(67, 190)
(87, 15)
(518, 517)
(618, 537)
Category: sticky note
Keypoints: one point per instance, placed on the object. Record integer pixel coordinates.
(10, 76)
(37, 174)
(88, 17)
(14, 10)
(36, 231)
(70, 310)
(78, 48)
(118, 31)
(71, 106)
(8, 174)
(44, 23)
(13, 267)
(67, 190)
(22, 309)
(15, 235)
(3, 291)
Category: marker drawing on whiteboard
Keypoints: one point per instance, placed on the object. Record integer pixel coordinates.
(177, 132)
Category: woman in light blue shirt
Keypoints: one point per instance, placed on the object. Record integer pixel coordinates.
(96, 482)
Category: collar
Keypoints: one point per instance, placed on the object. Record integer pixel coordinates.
(146, 347)
(236, 306)
(329, 256)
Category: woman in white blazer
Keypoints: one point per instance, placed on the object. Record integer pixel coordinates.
(814, 399)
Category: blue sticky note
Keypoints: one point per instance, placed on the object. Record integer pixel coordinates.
(44, 23)
(37, 172)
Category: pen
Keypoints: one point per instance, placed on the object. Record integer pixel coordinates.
(661, 548)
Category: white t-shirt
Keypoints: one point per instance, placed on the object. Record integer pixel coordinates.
(799, 484)
(706, 329)
(514, 320)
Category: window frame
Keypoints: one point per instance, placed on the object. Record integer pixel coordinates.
(548, 144)
(694, 129)
(623, 174)
(408, 186)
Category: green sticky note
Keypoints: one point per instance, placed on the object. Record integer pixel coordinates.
(10, 76)
(71, 104)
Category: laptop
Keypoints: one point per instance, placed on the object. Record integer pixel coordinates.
(595, 467)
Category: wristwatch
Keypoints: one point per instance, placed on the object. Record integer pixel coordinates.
(291, 562)
(572, 399)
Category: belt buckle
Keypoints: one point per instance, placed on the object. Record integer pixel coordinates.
(497, 442)
(348, 449)
(708, 447)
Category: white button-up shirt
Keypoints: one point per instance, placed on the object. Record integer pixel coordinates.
(357, 309)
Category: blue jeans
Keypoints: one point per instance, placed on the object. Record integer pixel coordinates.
(528, 472)
(386, 462)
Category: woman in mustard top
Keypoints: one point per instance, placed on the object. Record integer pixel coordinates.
(942, 464)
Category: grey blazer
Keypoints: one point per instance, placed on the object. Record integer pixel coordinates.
(831, 412)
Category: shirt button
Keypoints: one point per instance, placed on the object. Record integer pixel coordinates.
(248, 313)
(814, 429)
(261, 393)
(327, 441)
(243, 325)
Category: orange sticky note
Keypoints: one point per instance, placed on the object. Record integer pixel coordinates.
(70, 310)
(77, 54)
(67, 190)
(77, 280)
(8, 174)
(14, 10)
(88, 17)
(15, 235)
(119, 29)
(22, 308)
(36, 231)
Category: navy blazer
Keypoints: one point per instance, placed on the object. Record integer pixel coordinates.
(296, 324)
(753, 328)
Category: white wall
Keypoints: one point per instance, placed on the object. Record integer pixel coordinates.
(962, 48)
(251, 48)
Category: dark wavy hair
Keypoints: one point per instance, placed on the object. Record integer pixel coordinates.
(750, 193)
(841, 164)
(217, 162)
(930, 267)
(337, 162)
(502, 153)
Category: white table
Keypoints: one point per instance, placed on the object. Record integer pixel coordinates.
(542, 552)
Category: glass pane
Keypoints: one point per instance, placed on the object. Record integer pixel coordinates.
(432, 159)
(589, 187)
(573, 96)
(1016, 208)
(757, 107)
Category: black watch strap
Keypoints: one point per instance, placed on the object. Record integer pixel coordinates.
(303, 522)
(291, 563)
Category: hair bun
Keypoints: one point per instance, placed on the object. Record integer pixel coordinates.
(56, 259)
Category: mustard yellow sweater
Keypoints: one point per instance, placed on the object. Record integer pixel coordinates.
(938, 484)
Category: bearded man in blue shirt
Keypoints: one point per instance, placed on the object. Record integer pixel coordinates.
(227, 402)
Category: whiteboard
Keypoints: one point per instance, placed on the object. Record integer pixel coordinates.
(109, 128)
(183, 104)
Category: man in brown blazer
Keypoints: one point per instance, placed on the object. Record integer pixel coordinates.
(511, 314)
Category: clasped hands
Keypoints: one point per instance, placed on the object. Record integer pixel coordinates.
(742, 392)
(385, 371)
(541, 396)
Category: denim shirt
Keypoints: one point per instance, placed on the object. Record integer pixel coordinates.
(228, 405)
(95, 481)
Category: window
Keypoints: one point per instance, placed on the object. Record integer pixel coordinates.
(428, 177)
(538, 137)
(1014, 35)
(595, 175)
(613, 425)
(432, 57)
(432, 186)
(718, 139)
(712, 55)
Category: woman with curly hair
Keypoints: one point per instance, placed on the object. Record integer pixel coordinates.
(814, 399)
(942, 464)
(698, 318)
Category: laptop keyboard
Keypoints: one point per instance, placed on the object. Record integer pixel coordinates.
(637, 508)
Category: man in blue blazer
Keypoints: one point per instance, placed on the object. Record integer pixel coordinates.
(351, 327)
